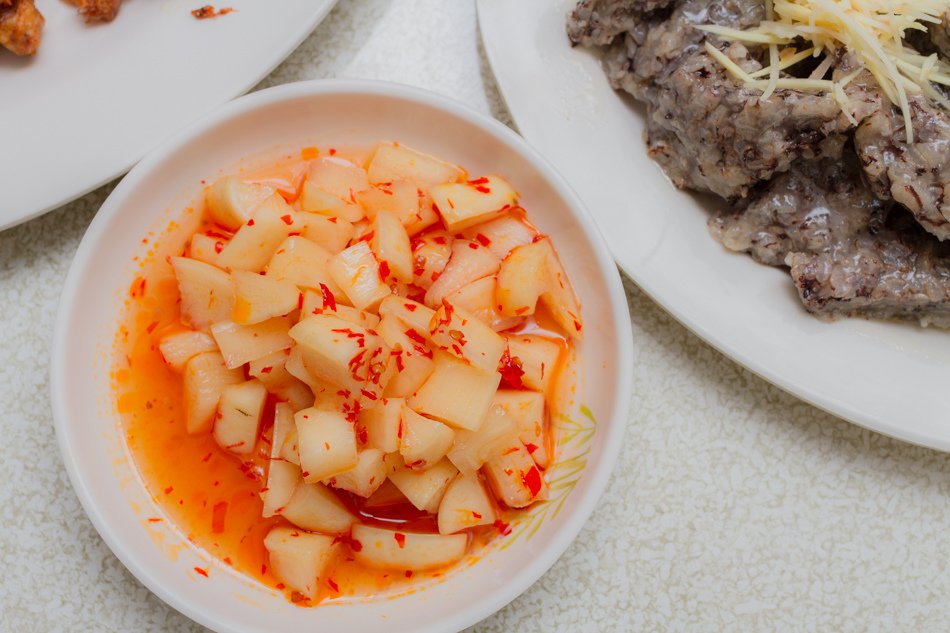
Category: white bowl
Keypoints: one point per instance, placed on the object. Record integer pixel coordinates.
(157, 189)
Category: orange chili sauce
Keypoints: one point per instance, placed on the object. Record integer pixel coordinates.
(212, 495)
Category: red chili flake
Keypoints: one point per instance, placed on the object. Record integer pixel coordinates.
(344, 393)
(362, 435)
(287, 219)
(408, 573)
(435, 277)
(478, 181)
(138, 287)
(384, 270)
(208, 11)
(333, 585)
(227, 560)
(203, 572)
(415, 336)
(293, 234)
(542, 370)
(168, 490)
(532, 481)
(400, 539)
(218, 515)
(329, 301)
(473, 246)
(368, 394)
(482, 239)
(267, 370)
(300, 301)
(482, 189)
(236, 444)
(502, 527)
(332, 219)
(280, 585)
(154, 520)
(439, 239)
(331, 151)
(218, 246)
(151, 327)
(416, 293)
(511, 370)
(263, 569)
(399, 430)
(366, 237)
(531, 448)
(327, 445)
(577, 325)
(509, 451)
(400, 365)
(250, 222)
(476, 515)
(410, 306)
(206, 457)
(520, 311)
(457, 350)
(304, 474)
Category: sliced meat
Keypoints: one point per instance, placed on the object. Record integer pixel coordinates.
(21, 26)
(705, 130)
(849, 253)
(599, 22)
(916, 175)
(97, 10)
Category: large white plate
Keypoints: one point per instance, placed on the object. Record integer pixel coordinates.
(96, 98)
(889, 377)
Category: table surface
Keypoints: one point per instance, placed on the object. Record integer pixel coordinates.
(734, 506)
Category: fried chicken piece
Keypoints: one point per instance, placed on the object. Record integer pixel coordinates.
(97, 10)
(21, 26)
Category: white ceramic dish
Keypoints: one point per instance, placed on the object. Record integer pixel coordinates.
(885, 376)
(158, 188)
(96, 98)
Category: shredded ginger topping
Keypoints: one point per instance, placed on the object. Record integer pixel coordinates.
(871, 30)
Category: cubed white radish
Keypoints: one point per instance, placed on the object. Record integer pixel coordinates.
(295, 367)
(390, 243)
(258, 298)
(469, 262)
(537, 356)
(393, 162)
(464, 204)
(501, 234)
(515, 479)
(531, 272)
(425, 217)
(410, 357)
(390, 549)
(471, 449)
(560, 298)
(465, 505)
(522, 277)
(412, 313)
(478, 298)
(337, 177)
(424, 488)
(456, 393)
(526, 408)
(381, 422)
(356, 271)
(330, 232)
(461, 334)
(430, 256)
(400, 198)
(282, 480)
(364, 478)
(326, 443)
(339, 351)
(299, 559)
(242, 343)
(288, 451)
(239, 416)
(424, 441)
(230, 200)
(299, 261)
(315, 507)
(257, 239)
(284, 424)
(315, 302)
(178, 348)
(205, 248)
(207, 294)
(271, 370)
(387, 495)
(314, 200)
(204, 379)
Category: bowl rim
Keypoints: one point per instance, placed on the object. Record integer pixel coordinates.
(599, 470)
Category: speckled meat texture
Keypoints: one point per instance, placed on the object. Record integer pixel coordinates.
(21, 26)
(917, 175)
(97, 10)
(706, 131)
(849, 253)
(599, 22)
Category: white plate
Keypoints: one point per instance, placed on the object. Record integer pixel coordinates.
(888, 377)
(96, 98)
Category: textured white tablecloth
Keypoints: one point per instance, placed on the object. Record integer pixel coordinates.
(734, 506)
